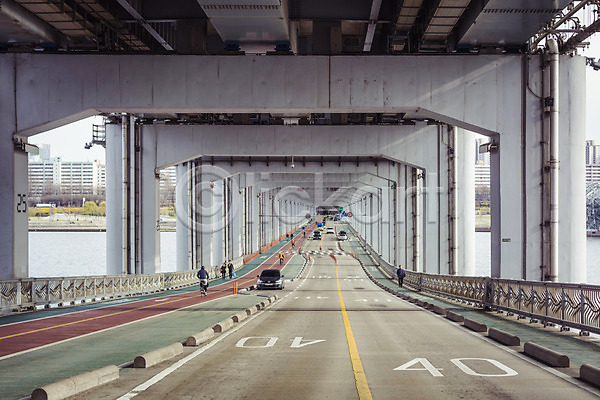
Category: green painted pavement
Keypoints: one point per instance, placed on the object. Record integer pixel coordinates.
(293, 267)
(50, 312)
(21, 374)
(579, 350)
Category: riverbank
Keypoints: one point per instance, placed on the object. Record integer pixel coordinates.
(82, 223)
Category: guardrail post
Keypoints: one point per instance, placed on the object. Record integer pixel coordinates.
(19, 295)
(488, 294)
(582, 318)
(547, 302)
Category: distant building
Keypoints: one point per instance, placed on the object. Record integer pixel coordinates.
(592, 152)
(482, 175)
(56, 177)
(592, 161)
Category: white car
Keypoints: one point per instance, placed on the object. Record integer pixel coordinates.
(330, 230)
(342, 236)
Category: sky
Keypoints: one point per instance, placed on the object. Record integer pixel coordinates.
(68, 141)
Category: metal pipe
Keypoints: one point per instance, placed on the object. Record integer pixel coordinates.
(124, 194)
(552, 108)
(558, 23)
(32, 23)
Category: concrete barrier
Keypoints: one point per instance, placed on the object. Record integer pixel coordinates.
(590, 374)
(263, 304)
(547, 356)
(223, 325)
(505, 338)
(200, 337)
(154, 357)
(239, 317)
(474, 325)
(454, 316)
(77, 384)
(439, 310)
(251, 310)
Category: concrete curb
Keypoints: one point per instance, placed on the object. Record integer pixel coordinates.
(590, 374)
(251, 310)
(452, 316)
(545, 355)
(77, 384)
(154, 357)
(239, 317)
(223, 325)
(474, 325)
(439, 310)
(503, 337)
(199, 338)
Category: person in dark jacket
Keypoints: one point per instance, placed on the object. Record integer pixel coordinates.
(401, 274)
(203, 276)
(223, 270)
(230, 268)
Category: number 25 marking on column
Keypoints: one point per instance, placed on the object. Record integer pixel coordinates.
(22, 203)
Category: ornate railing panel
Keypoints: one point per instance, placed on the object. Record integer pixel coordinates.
(17, 294)
(566, 304)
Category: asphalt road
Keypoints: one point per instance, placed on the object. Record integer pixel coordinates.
(335, 335)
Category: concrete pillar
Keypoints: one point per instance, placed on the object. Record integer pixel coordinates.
(14, 183)
(148, 204)
(403, 223)
(114, 201)
(204, 196)
(183, 224)
(236, 211)
(218, 223)
(465, 204)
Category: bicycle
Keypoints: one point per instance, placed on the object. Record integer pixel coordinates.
(203, 287)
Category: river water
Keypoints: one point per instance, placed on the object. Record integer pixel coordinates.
(54, 254)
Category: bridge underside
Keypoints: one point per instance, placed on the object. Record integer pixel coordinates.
(408, 181)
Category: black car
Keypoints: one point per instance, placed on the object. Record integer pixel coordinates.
(270, 279)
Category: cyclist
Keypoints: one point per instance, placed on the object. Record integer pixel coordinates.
(280, 258)
(203, 276)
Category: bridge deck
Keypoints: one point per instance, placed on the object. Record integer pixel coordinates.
(74, 340)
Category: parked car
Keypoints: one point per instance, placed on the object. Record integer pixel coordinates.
(270, 279)
(342, 235)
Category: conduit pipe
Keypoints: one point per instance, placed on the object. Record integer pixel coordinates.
(124, 195)
(552, 109)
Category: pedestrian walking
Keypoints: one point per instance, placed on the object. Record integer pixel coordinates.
(401, 274)
(280, 258)
(223, 270)
(230, 268)
(304, 233)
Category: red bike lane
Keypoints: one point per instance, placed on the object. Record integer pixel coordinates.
(28, 335)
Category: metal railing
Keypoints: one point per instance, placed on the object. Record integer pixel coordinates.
(22, 294)
(569, 305)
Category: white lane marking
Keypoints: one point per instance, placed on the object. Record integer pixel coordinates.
(546, 368)
(165, 299)
(298, 342)
(163, 374)
(467, 370)
(100, 331)
(270, 343)
(427, 366)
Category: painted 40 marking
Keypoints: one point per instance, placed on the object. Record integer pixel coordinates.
(426, 365)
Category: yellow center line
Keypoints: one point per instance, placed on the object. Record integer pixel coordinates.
(362, 385)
